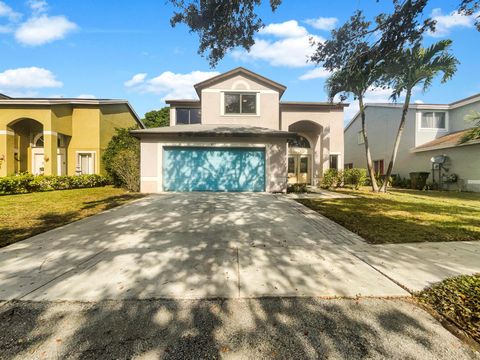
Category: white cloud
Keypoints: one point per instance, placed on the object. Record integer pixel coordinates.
(286, 29)
(38, 6)
(86, 96)
(169, 85)
(43, 29)
(7, 11)
(445, 23)
(135, 80)
(317, 73)
(323, 23)
(419, 102)
(28, 78)
(290, 47)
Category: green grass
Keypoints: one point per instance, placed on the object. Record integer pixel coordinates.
(25, 215)
(403, 216)
(458, 300)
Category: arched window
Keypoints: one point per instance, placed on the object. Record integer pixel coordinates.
(38, 141)
(299, 142)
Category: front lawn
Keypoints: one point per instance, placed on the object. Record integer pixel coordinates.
(25, 215)
(458, 300)
(402, 216)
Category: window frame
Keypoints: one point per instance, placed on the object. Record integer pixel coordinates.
(78, 168)
(380, 166)
(241, 93)
(189, 115)
(330, 161)
(445, 128)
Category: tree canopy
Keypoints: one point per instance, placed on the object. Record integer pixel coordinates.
(220, 24)
(157, 118)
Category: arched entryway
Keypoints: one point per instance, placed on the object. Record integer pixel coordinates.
(302, 151)
(29, 154)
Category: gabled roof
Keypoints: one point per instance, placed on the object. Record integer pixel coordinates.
(446, 141)
(3, 96)
(238, 71)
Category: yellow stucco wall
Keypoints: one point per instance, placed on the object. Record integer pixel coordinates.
(86, 128)
(112, 117)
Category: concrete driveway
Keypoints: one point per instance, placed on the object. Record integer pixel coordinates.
(196, 245)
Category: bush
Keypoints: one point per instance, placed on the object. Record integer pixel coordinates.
(25, 183)
(126, 164)
(332, 178)
(122, 141)
(356, 177)
(418, 179)
(458, 299)
(297, 188)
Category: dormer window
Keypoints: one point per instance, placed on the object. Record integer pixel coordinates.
(240, 103)
(433, 120)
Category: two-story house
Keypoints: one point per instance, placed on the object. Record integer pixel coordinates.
(59, 136)
(239, 136)
(431, 130)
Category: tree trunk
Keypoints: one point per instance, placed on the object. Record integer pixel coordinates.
(371, 173)
(397, 140)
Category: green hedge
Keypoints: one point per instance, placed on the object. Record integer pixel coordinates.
(335, 178)
(458, 299)
(26, 183)
(356, 177)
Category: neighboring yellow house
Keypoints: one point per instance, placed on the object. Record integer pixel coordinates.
(58, 136)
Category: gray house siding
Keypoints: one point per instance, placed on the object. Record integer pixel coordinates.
(382, 124)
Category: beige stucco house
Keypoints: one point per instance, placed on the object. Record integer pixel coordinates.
(240, 136)
(431, 130)
(59, 136)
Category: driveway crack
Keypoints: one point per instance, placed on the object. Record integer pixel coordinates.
(63, 273)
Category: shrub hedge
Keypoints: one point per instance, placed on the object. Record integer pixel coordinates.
(458, 299)
(335, 178)
(26, 183)
(356, 177)
(297, 188)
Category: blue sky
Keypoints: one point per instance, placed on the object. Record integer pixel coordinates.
(128, 50)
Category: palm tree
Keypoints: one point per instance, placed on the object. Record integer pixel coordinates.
(413, 67)
(356, 81)
(474, 132)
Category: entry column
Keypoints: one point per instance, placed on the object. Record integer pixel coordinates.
(7, 139)
(50, 139)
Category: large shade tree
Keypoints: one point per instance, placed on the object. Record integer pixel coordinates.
(411, 68)
(226, 24)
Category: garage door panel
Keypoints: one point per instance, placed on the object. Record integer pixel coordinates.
(213, 169)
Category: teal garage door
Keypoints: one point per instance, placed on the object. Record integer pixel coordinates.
(213, 169)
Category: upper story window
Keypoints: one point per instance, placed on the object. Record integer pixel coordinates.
(186, 116)
(433, 120)
(240, 103)
(360, 137)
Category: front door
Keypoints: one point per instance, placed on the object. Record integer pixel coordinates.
(299, 169)
(38, 163)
